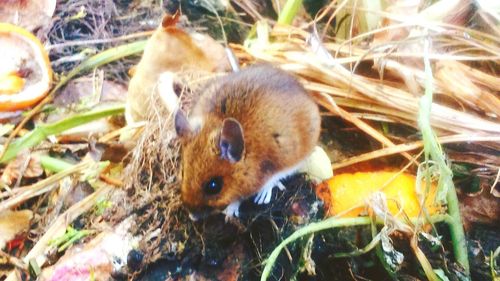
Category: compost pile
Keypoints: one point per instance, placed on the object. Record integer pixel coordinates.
(409, 93)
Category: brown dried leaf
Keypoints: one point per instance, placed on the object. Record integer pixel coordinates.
(23, 165)
(12, 223)
(77, 193)
(479, 208)
(89, 92)
(30, 14)
(174, 50)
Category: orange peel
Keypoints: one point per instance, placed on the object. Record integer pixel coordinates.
(25, 73)
(11, 83)
(347, 194)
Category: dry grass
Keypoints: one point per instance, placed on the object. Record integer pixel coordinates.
(371, 77)
(328, 75)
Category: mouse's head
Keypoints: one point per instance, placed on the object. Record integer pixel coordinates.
(214, 173)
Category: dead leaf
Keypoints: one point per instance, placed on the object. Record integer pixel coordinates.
(77, 193)
(393, 258)
(171, 49)
(479, 208)
(445, 11)
(24, 165)
(88, 91)
(232, 266)
(30, 14)
(115, 152)
(12, 223)
(213, 50)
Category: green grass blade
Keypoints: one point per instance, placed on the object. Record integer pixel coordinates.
(101, 59)
(289, 11)
(41, 132)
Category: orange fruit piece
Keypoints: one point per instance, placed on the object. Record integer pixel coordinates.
(25, 72)
(354, 190)
(11, 84)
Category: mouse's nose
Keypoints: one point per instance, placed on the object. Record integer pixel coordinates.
(199, 213)
(194, 217)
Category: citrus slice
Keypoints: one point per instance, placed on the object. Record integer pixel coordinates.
(25, 72)
(349, 193)
(11, 83)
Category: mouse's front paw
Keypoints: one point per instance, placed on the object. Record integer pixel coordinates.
(232, 210)
(266, 192)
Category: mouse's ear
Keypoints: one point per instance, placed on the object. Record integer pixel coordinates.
(182, 126)
(231, 142)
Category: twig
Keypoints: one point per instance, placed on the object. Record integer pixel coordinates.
(109, 136)
(497, 178)
(328, 102)
(412, 146)
(111, 181)
(42, 186)
(100, 41)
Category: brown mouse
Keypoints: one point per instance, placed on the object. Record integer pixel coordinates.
(247, 131)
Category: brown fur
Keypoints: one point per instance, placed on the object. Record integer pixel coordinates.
(280, 122)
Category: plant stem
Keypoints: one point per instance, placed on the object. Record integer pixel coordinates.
(310, 228)
(457, 230)
(286, 16)
(289, 11)
(43, 131)
(446, 188)
(359, 252)
(332, 222)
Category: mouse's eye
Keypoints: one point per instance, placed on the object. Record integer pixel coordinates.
(213, 185)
